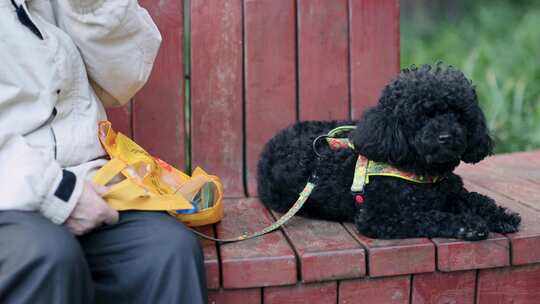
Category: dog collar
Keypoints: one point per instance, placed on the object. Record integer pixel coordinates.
(365, 168)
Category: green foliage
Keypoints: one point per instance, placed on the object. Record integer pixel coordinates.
(497, 45)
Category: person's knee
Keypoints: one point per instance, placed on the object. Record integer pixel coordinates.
(58, 252)
(44, 245)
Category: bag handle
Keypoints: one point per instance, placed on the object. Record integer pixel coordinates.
(128, 195)
(106, 173)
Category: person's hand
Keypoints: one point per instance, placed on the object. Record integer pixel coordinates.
(91, 211)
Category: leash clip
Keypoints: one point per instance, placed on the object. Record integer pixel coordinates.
(314, 178)
(315, 141)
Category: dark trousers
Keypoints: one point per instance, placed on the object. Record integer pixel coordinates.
(148, 257)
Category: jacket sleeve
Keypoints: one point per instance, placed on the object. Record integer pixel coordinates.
(117, 39)
(30, 178)
(30, 181)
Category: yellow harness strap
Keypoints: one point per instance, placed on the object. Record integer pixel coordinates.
(365, 168)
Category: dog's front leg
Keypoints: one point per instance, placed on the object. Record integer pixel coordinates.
(430, 224)
(499, 219)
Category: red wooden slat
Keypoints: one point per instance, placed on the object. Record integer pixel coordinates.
(244, 296)
(270, 75)
(394, 290)
(216, 90)
(323, 59)
(374, 50)
(437, 287)
(394, 257)
(320, 293)
(265, 261)
(158, 111)
(519, 157)
(509, 285)
(510, 185)
(326, 251)
(211, 262)
(526, 242)
(518, 165)
(453, 255)
(121, 119)
(533, 156)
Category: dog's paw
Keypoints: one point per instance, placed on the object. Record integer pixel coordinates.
(509, 223)
(471, 234)
(474, 231)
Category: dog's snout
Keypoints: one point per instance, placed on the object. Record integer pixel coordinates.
(445, 138)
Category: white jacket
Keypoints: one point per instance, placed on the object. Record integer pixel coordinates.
(49, 111)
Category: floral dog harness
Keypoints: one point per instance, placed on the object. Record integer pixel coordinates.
(365, 168)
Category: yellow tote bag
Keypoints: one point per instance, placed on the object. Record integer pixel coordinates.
(151, 184)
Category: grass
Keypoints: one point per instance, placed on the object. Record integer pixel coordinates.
(497, 44)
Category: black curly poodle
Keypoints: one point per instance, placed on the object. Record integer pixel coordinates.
(426, 122)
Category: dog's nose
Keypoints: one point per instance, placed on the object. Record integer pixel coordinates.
(445, 138)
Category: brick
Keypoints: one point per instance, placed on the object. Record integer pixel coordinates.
(264, 261)
(394, 290)
(325, 249)
(444, 288)
(318, 293)
(453, 255)
(235, 296)
(395, 257)
(509, 285)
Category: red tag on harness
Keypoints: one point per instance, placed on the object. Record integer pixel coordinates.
(359, 199)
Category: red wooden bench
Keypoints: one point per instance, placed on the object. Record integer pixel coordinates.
(256, 66)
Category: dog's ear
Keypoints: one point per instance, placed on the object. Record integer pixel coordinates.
(379, 137)
(479, 142)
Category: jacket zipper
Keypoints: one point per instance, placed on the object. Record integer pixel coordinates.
(53, 115)
(54, 141)
(24, 18)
